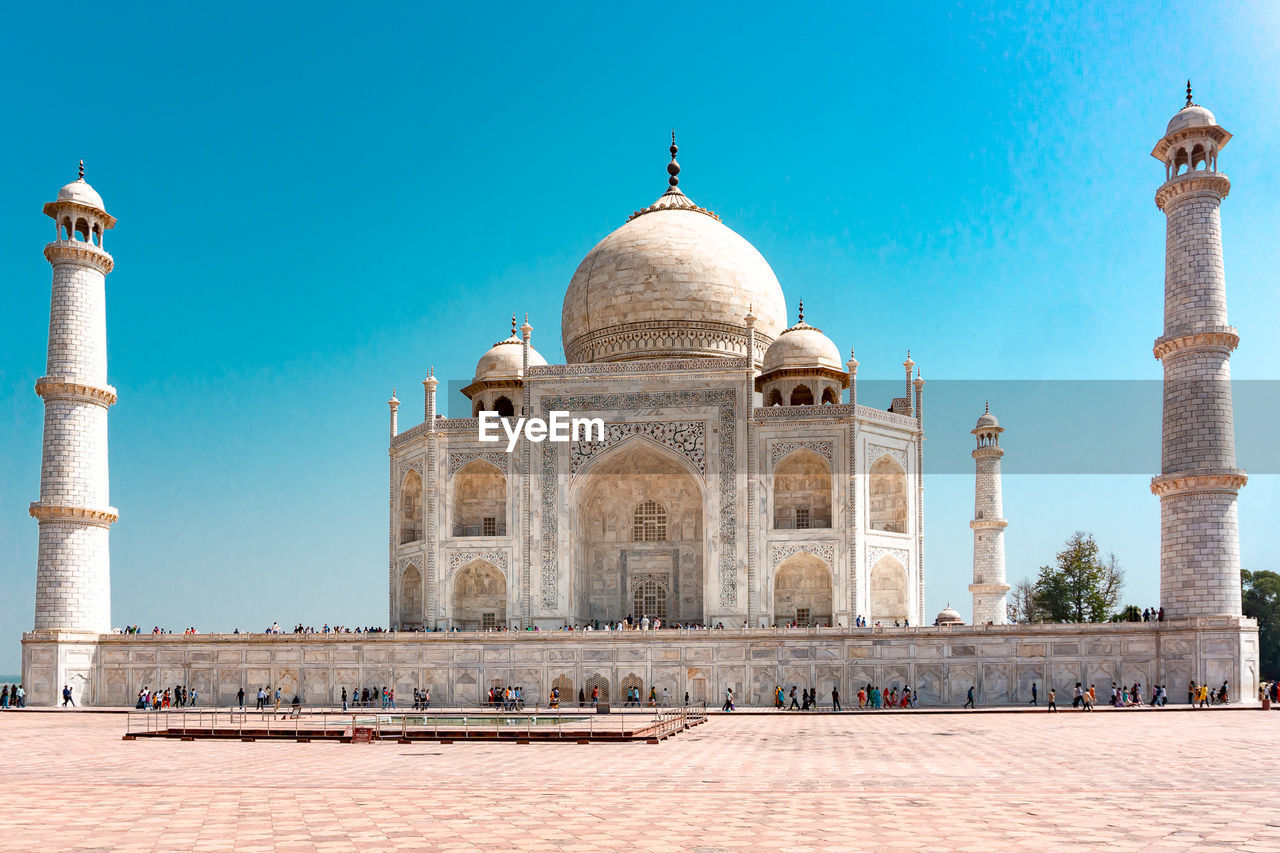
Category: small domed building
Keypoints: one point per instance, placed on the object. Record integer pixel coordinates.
(739, 480)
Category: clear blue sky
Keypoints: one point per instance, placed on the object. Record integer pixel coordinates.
(317, 204)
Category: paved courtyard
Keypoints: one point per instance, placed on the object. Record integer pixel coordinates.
(1121, 780)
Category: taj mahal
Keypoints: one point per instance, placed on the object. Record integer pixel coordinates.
(743, 497)
(726, 489)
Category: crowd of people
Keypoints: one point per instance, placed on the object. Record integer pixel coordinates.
(12, 696)
(180, 696)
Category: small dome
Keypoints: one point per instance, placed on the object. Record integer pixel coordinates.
(1192, 116)
(949, 617)
(81, 193)
(802, 346)
(987, 420)
(505, 360)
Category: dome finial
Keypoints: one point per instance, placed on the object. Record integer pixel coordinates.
(673, 168)
(987, 408)
(81, 170)
(801, 310)
(513, 324)
(1188, 92)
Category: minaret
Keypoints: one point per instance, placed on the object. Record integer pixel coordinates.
(1199, 480)
(73, 570)
(989, 586)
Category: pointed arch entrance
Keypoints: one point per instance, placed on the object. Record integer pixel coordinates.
(638, 538)
(479, 597)
(802, 591)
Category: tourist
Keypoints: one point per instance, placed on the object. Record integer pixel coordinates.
(795, 706)
(1053, 705)
(728, 699)
(22, 697)
(862, 698)
(1192, 692)
(582, 698)
(778, 699)
(344, 698)
(653, 697)
(4, 698)
(835, 697)
(595, 696)
(426, 699)
(277, 707)
(240, 698)
(686, 698)
(968, 702)
(66, 696)
(1078, 696)
(1033, 693)
(1222, 694)
(666, 698)
(297, 706)
(554, 700)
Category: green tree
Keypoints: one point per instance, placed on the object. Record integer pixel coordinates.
(1260, 592)
(1080, 586)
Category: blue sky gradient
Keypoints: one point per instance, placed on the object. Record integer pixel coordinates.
(317, 204)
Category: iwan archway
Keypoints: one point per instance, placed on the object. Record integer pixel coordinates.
(637, 537)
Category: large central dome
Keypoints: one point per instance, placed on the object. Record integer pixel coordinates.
(673, 282)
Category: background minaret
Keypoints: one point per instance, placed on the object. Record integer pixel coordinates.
(1199, 480)
(73, 571)
(989, 587)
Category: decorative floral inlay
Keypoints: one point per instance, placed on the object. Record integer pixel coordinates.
(875, 552)
(458, 460)
(458, 559)
(688, 438)
(875, 451)
(824, 551)
(779, 449)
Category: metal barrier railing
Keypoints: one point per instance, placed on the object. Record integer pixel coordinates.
(305, 724)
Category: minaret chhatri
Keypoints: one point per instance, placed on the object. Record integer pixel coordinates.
(989, 587)
(73, 571)
(1199, 480)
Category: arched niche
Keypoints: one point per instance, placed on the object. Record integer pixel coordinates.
(411, 598)
(887, 505)
(479, 597)
(802, 491)
(411, 507)
(636, 514)
(888, 587)
(479, 500)
(802, 591)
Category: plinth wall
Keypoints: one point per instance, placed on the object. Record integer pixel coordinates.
(1001, 661)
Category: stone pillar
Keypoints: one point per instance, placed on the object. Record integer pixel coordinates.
(1199, 481)
(431, 506)
(753, 475)
(989, 588)
(851, 523)
(526, 481)
(73, 566)
(919, 514)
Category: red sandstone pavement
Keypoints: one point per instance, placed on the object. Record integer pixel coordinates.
(1115, 780)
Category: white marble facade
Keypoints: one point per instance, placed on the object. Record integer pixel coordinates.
(682, 434)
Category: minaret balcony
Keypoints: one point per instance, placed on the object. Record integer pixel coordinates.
(104, 516)
(78, 251)
(66, 388)
(1192, 183)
